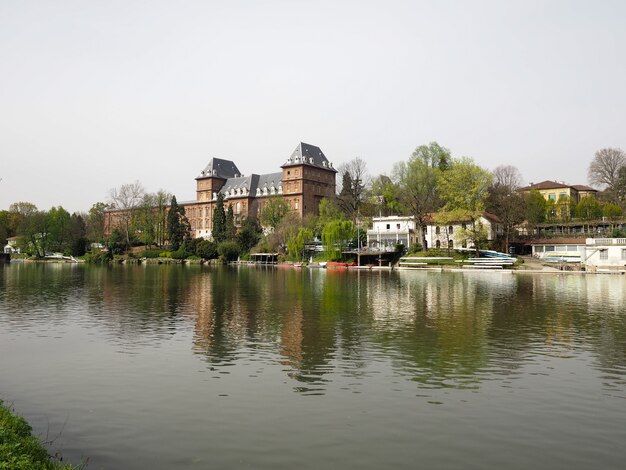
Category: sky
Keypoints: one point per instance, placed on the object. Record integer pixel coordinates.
(96, 94)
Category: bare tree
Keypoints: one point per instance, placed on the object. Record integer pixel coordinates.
(505, 201)
(126, 199)
(605, 166)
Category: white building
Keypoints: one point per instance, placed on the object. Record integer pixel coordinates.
(391, 231)
(450, 236)
(608, 253)
(11, 246)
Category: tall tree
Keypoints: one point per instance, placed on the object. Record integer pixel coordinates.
(126, 199)
(605, 166)
(219, 220)
(355, 180)
(505, 200)
(95, 222)
(464, 187)
(536, 209)
(231, 230)
(178, 227)
(418, 182)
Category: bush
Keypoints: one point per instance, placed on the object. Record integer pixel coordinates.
(98, 257)
(228, 250)
(181, 253)
(206, 249)
(151, 254)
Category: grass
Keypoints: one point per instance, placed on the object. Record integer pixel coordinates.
(19, 449)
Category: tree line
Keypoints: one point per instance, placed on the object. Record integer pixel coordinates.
(431, 185)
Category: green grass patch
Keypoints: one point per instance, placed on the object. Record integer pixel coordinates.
(19, 449)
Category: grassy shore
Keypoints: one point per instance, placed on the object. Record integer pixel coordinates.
(19, 449)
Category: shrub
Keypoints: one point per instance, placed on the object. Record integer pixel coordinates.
(206, 249)
(98, 257)
(228, 250)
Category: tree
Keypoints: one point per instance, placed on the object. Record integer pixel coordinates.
(335, 238)
(231, 230)
(505, 200)
(178, 227)
(249, 234)
(34, 233)
(95, 222)
(161, 199)
(354, 181)
(144, 221)
(126, 199)
(464, 187)
(274, 210)
(536, 209)
(297, 242)
(219, 220)
(385, 195)
(418, 182)
(603, 169)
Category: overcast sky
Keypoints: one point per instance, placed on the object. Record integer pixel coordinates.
(95, 94)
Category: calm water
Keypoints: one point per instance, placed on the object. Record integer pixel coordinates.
(195, 367)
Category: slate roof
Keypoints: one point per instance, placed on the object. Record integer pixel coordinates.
(221, 168)
(308, 154)
(247, 186)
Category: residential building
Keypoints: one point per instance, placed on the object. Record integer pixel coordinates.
(391, 231)
(11, 246)
(395, 230)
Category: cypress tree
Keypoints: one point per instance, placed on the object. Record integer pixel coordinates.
(231, 231)
(219, 220)
(174, 228)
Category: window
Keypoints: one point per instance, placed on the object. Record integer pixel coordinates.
(450, 229)
(552, 197)
(623, 254)
(388, 226)
(437, 230)
(398, 226)
(296, 205)
(450, 244)
(238, 208)
(464, 226)
(604, 254)
(438, 244)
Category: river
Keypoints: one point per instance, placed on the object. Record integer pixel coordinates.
(167, 367)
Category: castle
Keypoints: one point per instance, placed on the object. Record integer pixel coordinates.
(305, 179)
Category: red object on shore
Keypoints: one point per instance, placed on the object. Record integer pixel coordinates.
(339, 264)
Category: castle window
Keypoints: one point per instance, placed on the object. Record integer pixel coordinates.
(296, 205)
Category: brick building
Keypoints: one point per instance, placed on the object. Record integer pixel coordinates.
(305, 178)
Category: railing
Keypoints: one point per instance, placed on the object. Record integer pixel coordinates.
(606, 241)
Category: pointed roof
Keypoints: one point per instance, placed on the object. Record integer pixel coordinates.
(220, 168)
(307, 154)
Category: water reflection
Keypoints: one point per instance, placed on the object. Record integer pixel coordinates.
(325, 327)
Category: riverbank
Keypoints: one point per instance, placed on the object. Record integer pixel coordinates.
(19, 449)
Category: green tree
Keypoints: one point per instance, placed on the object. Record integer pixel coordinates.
(178, 227)
(95, 222)
(297, 242)
(144, 221)
(231, 230)
(536, 209)
(219, 220)
(612, 211)
(335, 237)
(385, 196)
(274, 210)
(249, 234)
(418, 182)
(206, 249)
(228, 250)
(464, 187)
